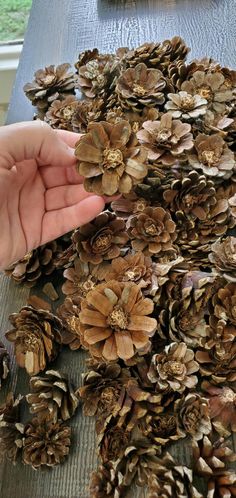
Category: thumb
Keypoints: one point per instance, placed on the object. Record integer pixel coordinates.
(33, 140)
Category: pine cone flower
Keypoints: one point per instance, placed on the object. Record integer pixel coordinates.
(140, 87)
(222, 402)
(166, 139)
(110, 158)
(193, 195)
(11, 430)
(114, 321)
(218, 363)
(223, 303)
(211, 458)
(52, 397)
(78, 279)
(211, 86)
(4, 363)
(185, 106)
(86, 112)
(152, 232)
(129, 204)
(158, 55)
(173, 368)
(223, 257)
(113, 443)
(69, 312)
(193, 415)
(95, 73)
(50, 84)
(101, 239)
(36, 336)
(171, 480)
(212, 156)
(161, 428)
(60, 113)
(45, 443)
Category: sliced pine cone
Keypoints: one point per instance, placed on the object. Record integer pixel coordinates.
(110, 158)
(96, 73)
(185, 106)
(49, 84)
(166, 140)
(52, 397)
(68, 312)
(79, 280)
(45, 443)
(61, 112)
(140, 87)
(101, 239)
(210, 458)
(218, 363)
(36, 335)
(193, 415)
(11, 429)
(173, 368)
(213, 157)
(152, 232)
(211, 86)
(222, 402)
(115, 322)
(171, 480)
(223, 257)
(4, 363)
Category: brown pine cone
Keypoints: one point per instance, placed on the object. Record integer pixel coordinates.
(210, 458)
(4, 363)
(222, 402)
(101, 239)
(11, 429)
(218, 363)
(185, 106)
(49, 84)
(36, 336)
(152, 232)
(222, 485)
(115, 322)
(173, 368)
(193, 415)
(129, 204)
(166, 139)
(45, 443)
(96, 73)
(213, 157)
(52, 397)
(61, 112)
(113, 442)
(68, 312)
(104, 482)
(161, 428)
(87, 111)
(110, 158)
(140, 87)
(223, 303)
(79, 280)
(223, 257)
(153, 186)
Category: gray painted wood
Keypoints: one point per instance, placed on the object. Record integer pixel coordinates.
(58, 30)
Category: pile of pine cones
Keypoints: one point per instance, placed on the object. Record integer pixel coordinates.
(149, 285)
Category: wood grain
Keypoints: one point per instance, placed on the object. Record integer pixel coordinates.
(58, 30)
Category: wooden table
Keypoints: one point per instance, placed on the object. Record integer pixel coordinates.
(58, 30)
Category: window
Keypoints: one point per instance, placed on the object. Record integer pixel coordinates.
(13, 19)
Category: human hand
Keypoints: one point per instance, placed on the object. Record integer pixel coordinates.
(41, 194)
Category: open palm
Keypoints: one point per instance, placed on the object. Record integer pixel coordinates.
(41, 194)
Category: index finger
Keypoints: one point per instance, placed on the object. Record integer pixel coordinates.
(69, 137)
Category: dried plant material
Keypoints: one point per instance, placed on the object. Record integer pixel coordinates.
(129, 204)
(110, 158)
(218, 363)
(212, 156)
(211, 458)
(223, 484)
(193, 415)
(4, 363)
(115, 322)
(61, 113)
(166, 139)
(222, 402)
(50, 291)
(45, 443)
(11, 429)
(173, 368)
(185, 106)
(38, 303)
(36, 335)
(52, 397)
(69, 312)
(153, 231)
(79, 280)
(101, 239)
(95, 72)
(104, 483)
(223, 257)
(162, 428)
(113, 443)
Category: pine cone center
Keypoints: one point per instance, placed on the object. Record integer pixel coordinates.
(210, 157)
(108, 398)
(133, 274)
(152, 229)
(165, 425)
(172, 367)
(228, 395)
(163, 135)
(48, 80)
(139, 90)
(187, 103)
(118, 318)
(102, 243)
(205, 92)
(67, 112)
(73, 323)
(112, 158)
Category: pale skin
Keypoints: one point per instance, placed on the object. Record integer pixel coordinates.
(41, 193)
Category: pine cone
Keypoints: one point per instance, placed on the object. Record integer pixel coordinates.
(171, 480)
(152, 232)
(193, 415)
(223, 303)
(4, 363)
(140, 87)
(129, 204)
(61, 112)
(113, 443)
(185, 106)
(173, 368)
(101, 239)
(161, 428)
(210, 458)
(11, 430)
(166, 139)
(222, 402)
(118, 162)
(223, 484)
(49, 84)
(96, 73)
(36, 336)
(87, 111)
(68, 313)
(153, 186)
(218, 363)
(79, 280)
(104, 483)
(223, 257)
(45, 443)
(52, 397)
(213, 157)
(114, 321)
